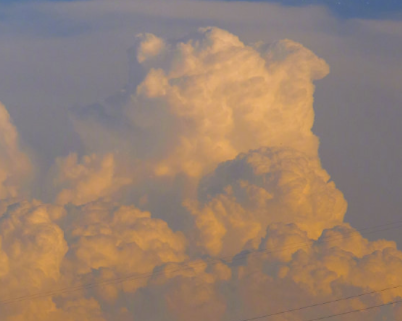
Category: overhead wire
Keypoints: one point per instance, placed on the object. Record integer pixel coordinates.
(326, 303)
(355, 311)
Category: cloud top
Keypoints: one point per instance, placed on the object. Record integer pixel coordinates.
(208, 99)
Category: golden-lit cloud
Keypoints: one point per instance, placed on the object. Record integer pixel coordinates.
(14, 164)
(340, 264)
(264, 186)
(217, 132)
(82, 182)
(32, 249)
(108, 235)
(205, 100)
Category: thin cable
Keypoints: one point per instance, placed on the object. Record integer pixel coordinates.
(322, 303)
(189, 265)
(355, 311)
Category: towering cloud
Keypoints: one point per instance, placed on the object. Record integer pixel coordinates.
(205, 100)
(201, 196)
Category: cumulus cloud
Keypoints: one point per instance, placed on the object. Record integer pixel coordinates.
(320, 271)
(243, 196)
(190, 293)
(228, 127)
(79, 183)
(14, 163)
(205, 100)
(47, 246)
(108, 235)
(32, 249)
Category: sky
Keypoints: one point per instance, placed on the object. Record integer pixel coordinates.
(191, 160)
(372, 9)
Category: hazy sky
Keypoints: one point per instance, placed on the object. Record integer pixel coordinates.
(131, 140)
(373, 9)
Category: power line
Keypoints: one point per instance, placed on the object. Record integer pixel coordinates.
(189, 265)
(324, 303)
(355, 311)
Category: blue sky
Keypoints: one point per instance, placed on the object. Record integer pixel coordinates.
(342, 8)
(352, 8)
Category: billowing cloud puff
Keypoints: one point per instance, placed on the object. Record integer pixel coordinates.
(121, 238)
(290, 270)
(339, 264)
(31, 242)
(149, 46)
(205, 100)
(48, 249)
(14, 164)
(184, 293)
(242, 197)
(84, 182)
(32, 248)
(110, 242)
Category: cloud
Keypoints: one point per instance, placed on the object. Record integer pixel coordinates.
(227, 127)
(243, 196)
(190, 293)
(81, 183)
(121, 238)
(205, 100)
(47, 247)
(14, 164)
(68, 65)
(319, 271)
(32, 249)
